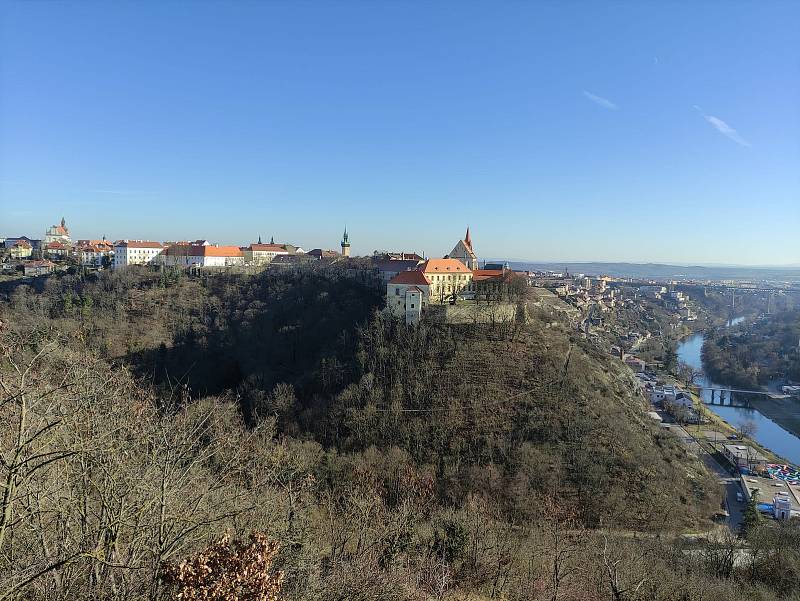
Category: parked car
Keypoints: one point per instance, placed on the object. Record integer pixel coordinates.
(740, 497)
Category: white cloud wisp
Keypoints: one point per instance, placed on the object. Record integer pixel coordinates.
(600, 101)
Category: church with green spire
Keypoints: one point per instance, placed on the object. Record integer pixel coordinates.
(345, 244)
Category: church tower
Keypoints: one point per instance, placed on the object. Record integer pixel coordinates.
(464, 252)
(345, 244)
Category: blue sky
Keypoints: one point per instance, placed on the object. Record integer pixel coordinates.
(630, 131)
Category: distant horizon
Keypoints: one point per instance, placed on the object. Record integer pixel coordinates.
(618, 130)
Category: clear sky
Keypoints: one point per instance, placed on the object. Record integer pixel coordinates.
(620, 131)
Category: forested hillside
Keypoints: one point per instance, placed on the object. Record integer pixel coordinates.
(146, 414)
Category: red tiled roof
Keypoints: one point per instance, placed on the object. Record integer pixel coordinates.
(444, 266)
(269, 247)
(55, 245)
(486, 274)
(410, 277)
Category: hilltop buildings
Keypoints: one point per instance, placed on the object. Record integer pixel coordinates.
(463, 252)
(136, 252)
(407, 294)
(201, 254)
(411, 285)
(58, 233)
(261, 254)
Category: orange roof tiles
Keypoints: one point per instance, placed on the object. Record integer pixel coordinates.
(216, 251)
(444, 266)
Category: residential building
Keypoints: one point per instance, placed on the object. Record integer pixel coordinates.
(93, 252)
(19, 249)
(670, 395)
(199, 255)
(463, 252)
(407, 294)
(58, 233)
(37, 268)
(136, 252)
(57, 250)
(448, 278)
(636, 364)
(650, 291)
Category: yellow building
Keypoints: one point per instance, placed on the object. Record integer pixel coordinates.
(21, 249)
(447, 277)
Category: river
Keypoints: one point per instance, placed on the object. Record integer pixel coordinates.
(767, 432)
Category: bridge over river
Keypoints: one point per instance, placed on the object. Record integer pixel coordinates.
(720, 393)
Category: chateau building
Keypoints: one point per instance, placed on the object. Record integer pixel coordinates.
(463, 252)
(448, 278)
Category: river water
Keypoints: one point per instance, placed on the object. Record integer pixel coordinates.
(767, 432)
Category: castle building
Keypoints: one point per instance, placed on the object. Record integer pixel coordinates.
(345, 244)
(408, 293)
(448, 278)
(463, 252)
(58, 233)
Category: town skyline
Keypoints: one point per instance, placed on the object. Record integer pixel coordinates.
(553, 140)
(409, 248)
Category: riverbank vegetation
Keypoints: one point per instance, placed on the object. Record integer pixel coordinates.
(752, 354)
(279, 431)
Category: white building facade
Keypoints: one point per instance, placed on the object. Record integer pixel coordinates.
(136, 252)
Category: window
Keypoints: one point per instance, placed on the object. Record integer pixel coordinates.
(397, 291)
(412, 305)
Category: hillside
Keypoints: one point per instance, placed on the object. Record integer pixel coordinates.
(389, 463)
